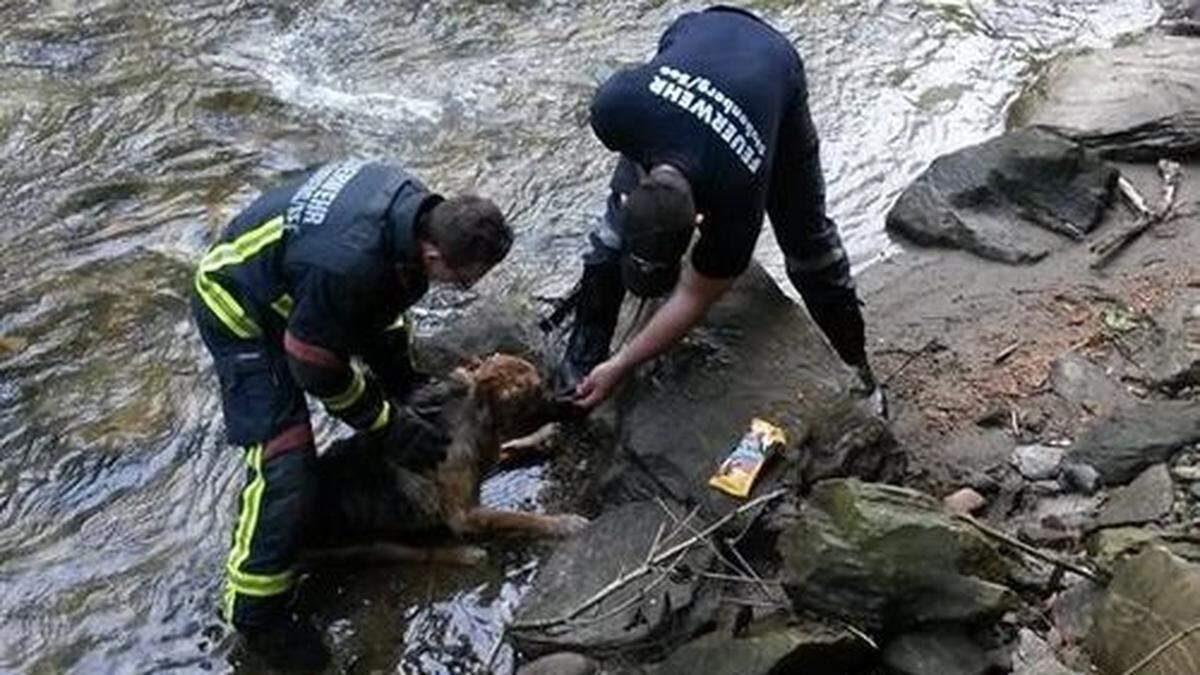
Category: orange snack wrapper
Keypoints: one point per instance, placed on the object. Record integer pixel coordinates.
(736, 474)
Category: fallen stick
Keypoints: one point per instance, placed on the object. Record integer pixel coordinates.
(647, 567)
(1108, 249)
(1161, 648)
(1006, 352)
(1027, 549)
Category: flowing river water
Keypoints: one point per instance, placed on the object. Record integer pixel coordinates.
(132, 130)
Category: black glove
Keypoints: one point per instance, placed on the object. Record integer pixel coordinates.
(414, 441)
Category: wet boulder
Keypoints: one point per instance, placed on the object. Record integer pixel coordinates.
(650, 614)
(1154, 597)
(1013, 199)
(804, 647)
(1137, 102)
(757, 354)
(1123, 444)
(887, 558)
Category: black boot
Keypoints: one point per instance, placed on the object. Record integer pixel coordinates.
(843, 325)
(599, 304)
(288, 644)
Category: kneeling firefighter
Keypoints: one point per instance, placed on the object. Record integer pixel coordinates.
(305, 293)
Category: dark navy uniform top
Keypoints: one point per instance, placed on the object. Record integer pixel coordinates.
(710, 103)
(324, 266)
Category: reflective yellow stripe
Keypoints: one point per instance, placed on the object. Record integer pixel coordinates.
(261, 585)
(219, 300)
(382, 420)
(244, 247)
(226, 308)
(247, 522)
(283, 305)
(353, 392)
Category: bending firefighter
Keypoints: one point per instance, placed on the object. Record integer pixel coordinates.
(712, 132)
(308, 277)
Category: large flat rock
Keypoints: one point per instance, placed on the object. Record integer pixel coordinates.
(650, 613)
(757, 354)
(1139, 101)
(1013, 199)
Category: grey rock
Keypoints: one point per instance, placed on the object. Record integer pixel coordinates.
(808, 647)
(1073, 610)
(615, 542)
(1135, 102)
(1034, 656)
(881, 557)
(1146, 499)
(1121, 445)
(1195, 491)
(936, 650)
(1152, 598)
(1173, 360)
(1079, 477)
(562, 663)
(1037, 462)
(1079, 381)
(1010, 199)
(756, 354)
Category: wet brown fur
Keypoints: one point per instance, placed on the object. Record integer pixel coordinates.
(366, 499)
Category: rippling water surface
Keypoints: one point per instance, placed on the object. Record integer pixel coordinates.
(131, 131)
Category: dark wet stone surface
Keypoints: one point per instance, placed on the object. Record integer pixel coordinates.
(1013, 199)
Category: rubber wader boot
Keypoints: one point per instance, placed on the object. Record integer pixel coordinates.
(600, 296)
(289, 644)
(844, 327)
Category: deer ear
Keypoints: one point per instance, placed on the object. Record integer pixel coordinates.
(472, 362)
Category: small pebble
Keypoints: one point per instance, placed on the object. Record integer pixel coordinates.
(965, 502)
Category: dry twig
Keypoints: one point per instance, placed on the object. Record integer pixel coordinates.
(1108, 249)
(1154, 654)
(651, 564)
(1027, 549)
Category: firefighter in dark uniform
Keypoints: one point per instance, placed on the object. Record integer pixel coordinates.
(712, 132)
(305, 294)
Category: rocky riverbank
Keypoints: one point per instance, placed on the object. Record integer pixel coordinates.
(1032, 504)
